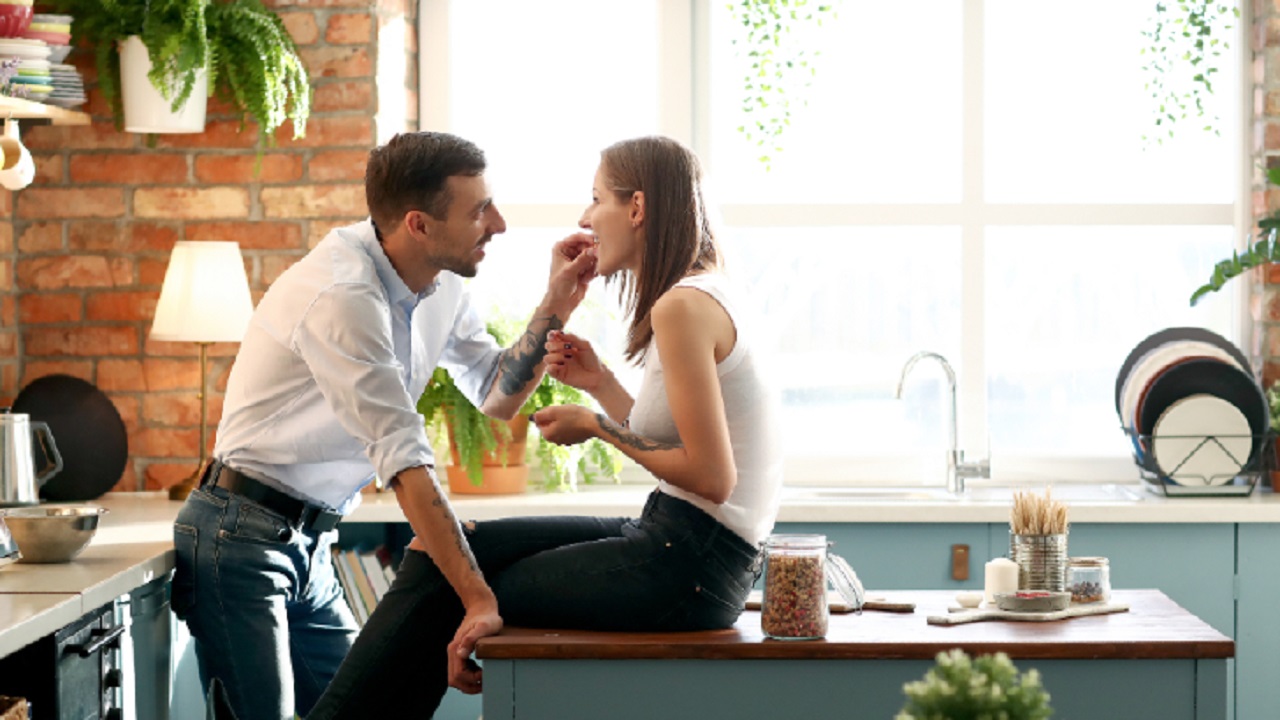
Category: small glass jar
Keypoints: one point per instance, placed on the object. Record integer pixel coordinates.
(795, 587)
(1089, 579)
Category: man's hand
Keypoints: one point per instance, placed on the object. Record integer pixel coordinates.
(464, 673)
(565, 424)
(573, 266)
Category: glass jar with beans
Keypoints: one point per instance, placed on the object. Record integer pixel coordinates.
(1089, 579)
(795, 587)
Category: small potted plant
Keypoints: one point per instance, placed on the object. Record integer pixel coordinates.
(958, 688)
(238, 49)
(489, 455)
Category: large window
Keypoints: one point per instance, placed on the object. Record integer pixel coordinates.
(967, 177)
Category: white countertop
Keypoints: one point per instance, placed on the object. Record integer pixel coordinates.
(819, 505)
(134, 544)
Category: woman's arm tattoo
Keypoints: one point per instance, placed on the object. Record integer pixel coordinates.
(516, 368)
(630, 439)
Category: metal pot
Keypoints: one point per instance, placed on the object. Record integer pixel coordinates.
(52, 533)
(19, 481)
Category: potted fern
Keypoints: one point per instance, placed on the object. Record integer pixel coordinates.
(489, 455)
(237, 50)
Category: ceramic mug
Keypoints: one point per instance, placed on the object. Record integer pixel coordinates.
(17, 168)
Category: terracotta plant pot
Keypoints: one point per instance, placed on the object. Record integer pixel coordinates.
(505, 471)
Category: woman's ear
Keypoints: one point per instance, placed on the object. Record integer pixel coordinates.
(637, 208)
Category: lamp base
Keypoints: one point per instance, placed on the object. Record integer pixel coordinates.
(180, 491)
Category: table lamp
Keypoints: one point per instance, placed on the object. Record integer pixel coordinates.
(205, 299)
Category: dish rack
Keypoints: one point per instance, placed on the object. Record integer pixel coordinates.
(1239, 484)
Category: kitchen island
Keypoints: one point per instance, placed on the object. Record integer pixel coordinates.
(1155, 661)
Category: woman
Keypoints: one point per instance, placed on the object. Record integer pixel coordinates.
(702, 422)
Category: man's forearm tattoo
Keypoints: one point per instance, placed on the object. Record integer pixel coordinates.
(518, 363)
(630, 439)
(452, 521)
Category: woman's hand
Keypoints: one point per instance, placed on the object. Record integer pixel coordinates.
(464, 673)
(571, 360)
(565, 424)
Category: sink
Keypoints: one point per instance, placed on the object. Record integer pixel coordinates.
(1067, 492)
(864, 493)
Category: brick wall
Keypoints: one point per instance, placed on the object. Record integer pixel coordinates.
(84, 254)
(1265, 308)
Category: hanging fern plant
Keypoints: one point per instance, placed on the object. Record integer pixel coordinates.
(778, 69)
(1186, 44)
(251, 59)
(255, 66)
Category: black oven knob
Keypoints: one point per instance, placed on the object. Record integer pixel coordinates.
(112, 679)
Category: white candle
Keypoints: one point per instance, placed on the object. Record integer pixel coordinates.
(1001, 577)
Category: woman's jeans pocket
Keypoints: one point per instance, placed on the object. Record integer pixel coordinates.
(183, 591)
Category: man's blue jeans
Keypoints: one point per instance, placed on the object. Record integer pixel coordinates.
(262, 603)
(674, 568)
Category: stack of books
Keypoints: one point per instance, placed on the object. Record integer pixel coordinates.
(365, 576)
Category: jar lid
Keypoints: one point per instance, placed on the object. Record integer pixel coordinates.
(845, 581)
(1088, 561)
(796, 542)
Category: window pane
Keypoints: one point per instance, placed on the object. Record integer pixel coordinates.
(842, 310)
(544, 98)
(1066, 111)
(884, 108)
(1060, 323)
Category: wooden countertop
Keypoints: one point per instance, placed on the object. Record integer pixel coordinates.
(1154, 628)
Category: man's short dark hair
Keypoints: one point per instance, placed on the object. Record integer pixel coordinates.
(409, 173)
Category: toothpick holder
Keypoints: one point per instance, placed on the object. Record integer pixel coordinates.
(1041, 559)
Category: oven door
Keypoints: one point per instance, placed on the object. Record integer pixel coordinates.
(73, 674)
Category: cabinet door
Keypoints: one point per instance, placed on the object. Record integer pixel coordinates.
(1258, 644)
(1194, 564)
(904, 556)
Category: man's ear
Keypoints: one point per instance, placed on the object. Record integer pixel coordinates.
(418, 224)
(637, 208)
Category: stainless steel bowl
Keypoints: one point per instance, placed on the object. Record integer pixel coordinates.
(52, 533)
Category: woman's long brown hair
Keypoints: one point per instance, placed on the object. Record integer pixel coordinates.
(678, 238)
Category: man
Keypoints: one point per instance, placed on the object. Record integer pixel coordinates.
(321, 399)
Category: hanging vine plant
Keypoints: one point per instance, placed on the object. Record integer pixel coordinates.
(779, 68)
(1186, 43)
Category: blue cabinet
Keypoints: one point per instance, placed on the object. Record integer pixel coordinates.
(896, 556)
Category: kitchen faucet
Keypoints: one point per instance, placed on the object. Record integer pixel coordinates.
(957, 468)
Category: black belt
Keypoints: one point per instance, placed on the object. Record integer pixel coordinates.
(299, 513)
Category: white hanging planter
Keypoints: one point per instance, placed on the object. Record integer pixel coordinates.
(145, 109)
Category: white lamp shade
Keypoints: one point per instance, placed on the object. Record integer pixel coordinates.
(205, 296)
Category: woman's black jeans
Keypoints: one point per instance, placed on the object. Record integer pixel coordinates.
(674, 568)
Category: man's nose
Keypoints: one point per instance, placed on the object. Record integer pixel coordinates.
(499, 223)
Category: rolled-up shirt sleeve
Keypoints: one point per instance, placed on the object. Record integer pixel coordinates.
(345, 338)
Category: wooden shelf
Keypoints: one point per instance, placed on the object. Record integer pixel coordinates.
(26, 109)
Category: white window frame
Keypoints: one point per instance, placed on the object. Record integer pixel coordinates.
(684, 113)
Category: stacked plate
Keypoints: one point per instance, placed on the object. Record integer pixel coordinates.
(1189, 401)
(54, 30)
(68, 86)
(33, 75)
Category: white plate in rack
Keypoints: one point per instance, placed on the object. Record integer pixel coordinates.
(1182, 451)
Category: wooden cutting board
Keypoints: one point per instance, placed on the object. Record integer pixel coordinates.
(959, 616)
(837, 604)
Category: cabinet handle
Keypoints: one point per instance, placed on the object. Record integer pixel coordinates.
(960, 562)
(102, 639)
